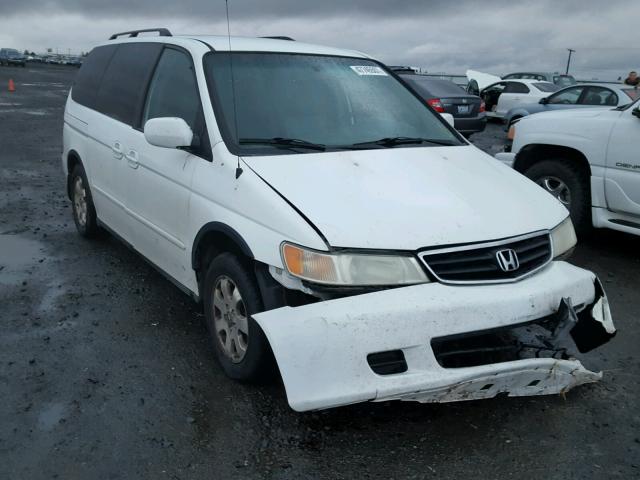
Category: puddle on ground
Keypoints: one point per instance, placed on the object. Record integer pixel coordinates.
(50, 416)
(16, 254)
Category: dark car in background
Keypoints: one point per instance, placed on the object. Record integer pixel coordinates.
(445, 96)
(11, 56)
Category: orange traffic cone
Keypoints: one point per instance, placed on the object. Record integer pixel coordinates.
(12, 86)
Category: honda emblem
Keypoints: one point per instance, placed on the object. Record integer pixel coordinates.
(507, 260)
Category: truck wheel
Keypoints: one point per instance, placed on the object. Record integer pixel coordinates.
(569, 185)
(84, 212)
(230, 297)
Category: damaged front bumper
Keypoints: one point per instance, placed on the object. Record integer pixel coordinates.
(442, 343)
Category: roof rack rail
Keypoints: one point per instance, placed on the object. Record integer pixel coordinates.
(162, 32)
(280, 37)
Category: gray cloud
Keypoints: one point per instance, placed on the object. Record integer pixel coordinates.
(497, 36)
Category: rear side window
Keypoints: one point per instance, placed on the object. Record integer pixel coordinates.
(124, 83)
(88, 78)
(516, 87)
(600, 96)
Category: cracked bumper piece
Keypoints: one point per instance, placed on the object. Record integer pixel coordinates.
(324, 349)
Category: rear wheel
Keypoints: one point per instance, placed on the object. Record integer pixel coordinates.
(231, 296)
(567, 183)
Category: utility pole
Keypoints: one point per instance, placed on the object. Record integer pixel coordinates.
(569, 60)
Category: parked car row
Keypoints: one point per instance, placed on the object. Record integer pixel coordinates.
(331, 221)
(71, 60)
(11, 56)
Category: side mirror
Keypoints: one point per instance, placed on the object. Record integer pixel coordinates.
(449, 119)
(544, 101)
(636, 112)
(168, 132)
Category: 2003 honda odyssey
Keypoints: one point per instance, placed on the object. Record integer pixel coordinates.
(327, 217)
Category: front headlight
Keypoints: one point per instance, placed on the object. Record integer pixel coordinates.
(351, 269)
(563, 239)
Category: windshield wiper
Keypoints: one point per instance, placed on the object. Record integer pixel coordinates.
(390, 142)
(283, 142)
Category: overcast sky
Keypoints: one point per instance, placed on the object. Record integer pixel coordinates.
(450, 36)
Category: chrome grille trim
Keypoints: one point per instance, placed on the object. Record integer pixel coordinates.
(429, 255)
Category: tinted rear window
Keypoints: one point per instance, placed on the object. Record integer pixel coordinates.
(124, 83)
(434, 88)
(516, 87)
(546, 87)
(88, 78)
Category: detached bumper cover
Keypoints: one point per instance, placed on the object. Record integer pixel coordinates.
(322, 348)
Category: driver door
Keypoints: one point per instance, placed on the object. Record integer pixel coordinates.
(622, 176)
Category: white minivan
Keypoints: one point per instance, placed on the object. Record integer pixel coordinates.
(331, 223)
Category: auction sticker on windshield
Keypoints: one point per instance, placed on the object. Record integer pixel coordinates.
(368, 70)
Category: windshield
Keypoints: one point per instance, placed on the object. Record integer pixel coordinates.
(295, 103)
(564, 80)
(632, 93)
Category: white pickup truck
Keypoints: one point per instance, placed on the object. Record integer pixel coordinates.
(588, 159)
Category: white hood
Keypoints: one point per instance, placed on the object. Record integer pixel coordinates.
(483, 79)
(409, 198)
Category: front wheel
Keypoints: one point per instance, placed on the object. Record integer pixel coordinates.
(84, 212)
(230, 297)
(570, 185)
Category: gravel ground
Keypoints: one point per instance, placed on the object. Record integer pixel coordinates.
(105, 370)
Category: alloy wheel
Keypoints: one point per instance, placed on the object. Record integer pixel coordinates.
(230, 319)
(557, 188)
(80, 201)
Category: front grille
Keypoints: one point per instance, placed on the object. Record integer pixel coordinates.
(480, 263)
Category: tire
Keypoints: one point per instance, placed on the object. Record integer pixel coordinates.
(247, 356)
(577, 184)
(84, 212)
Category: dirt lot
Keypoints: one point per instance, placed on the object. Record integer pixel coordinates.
(105, 370)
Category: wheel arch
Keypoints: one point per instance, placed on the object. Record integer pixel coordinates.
(515, 115)
(73, 159)
(222, 238)
(534, 153)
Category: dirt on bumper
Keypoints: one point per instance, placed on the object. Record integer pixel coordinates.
(323, 350)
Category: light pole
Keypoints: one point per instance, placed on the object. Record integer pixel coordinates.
(569, 60)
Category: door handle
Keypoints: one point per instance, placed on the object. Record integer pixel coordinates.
(116, 148)
(132, 159)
